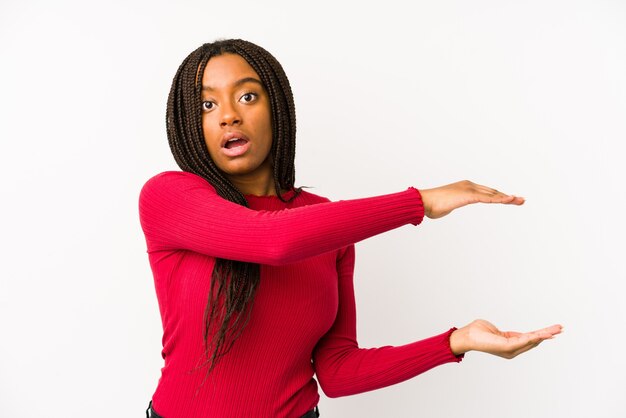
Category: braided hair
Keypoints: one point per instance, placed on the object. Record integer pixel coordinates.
(233, 283)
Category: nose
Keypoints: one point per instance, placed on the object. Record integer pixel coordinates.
(229, 116)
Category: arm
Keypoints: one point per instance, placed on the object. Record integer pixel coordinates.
(345, 369)
(180, 210)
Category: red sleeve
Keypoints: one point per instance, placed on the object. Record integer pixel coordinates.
(180, 210)
(345, 369)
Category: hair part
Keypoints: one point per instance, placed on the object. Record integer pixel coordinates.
(233, 283)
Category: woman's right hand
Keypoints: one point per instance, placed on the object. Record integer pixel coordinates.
(440, 201)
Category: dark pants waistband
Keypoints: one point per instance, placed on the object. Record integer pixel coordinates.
(150, 412)
(313, 413)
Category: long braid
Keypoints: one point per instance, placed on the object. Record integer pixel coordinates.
(233, 283)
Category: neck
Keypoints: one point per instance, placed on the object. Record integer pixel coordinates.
(258, 183)
(253, 188)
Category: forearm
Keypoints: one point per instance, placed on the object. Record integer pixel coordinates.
(183, 213)
(351, 370)
(345, 369)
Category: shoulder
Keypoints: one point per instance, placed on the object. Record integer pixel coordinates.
(175, 181)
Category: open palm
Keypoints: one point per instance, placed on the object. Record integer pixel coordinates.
(481, 335)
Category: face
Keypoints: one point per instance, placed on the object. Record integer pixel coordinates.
(236, 120)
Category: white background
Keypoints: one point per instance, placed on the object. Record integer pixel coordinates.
(525, 96)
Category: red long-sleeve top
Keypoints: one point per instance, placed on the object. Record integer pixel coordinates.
(303, 319)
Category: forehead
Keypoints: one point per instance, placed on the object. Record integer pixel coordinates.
(224, 70)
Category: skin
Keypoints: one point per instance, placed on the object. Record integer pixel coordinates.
(232, 105)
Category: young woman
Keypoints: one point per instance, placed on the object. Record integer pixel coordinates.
(254, 276)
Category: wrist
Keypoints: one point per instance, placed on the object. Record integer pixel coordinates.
(424, 193)
(458, 342)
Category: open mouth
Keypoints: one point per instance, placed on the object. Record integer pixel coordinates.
(235, 142)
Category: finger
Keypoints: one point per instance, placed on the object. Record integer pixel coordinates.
(518, 343)
(501, 196)
(517, 200)
(489, 190)
(552, 330)
(522, 340)
(536, 338)
(522, 344)
(544, 333)
(487, 197)
(483, 188)
(507, 200)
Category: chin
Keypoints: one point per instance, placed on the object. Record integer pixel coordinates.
(239, 169)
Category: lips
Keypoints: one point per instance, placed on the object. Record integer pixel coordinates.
(233, 138)
(234, 144)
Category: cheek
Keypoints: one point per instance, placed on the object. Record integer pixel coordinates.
(265, 124)
(211, 137)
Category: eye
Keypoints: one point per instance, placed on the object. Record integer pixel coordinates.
(207, 106)
(248, 97)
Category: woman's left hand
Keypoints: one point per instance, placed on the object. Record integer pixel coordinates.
(481, 335)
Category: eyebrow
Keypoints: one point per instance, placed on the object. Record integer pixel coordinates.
(237, 83)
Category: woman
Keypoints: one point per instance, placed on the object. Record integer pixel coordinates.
(253, 275)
